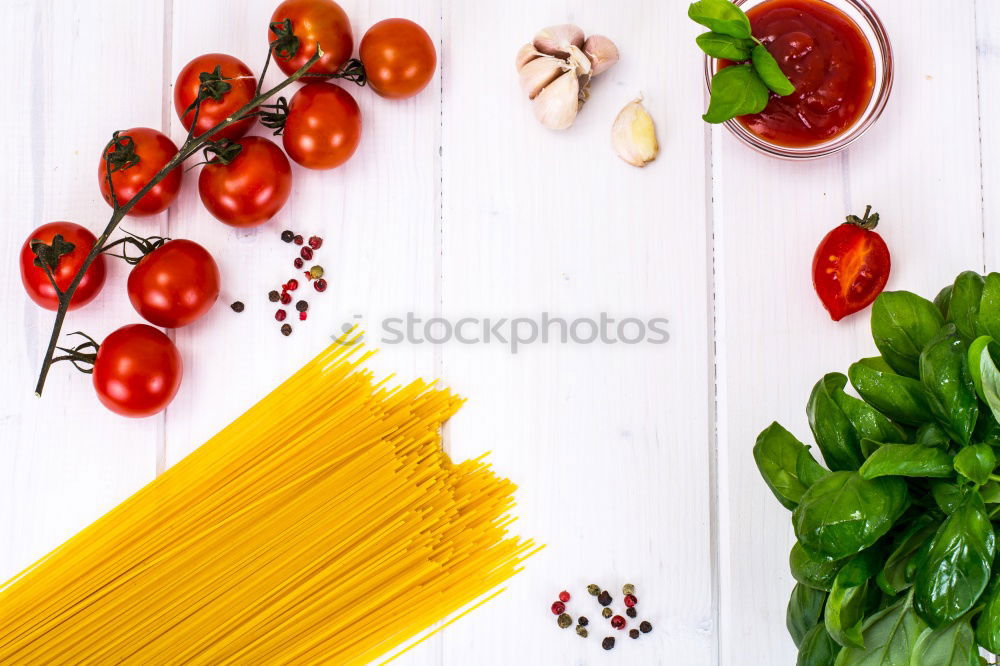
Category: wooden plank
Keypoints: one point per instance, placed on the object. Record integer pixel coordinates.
(774, 338)
(65, 459)
(608, 442)
(988, 69)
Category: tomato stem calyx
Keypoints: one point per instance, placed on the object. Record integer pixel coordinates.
(353, 71)
(85, 353)
(144, 245)
(868, 221)
(273, 116)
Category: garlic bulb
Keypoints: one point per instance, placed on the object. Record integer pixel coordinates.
(526, 54)
(580, 61)
(633, 135)
(556, 39)
(539, 73)
(602, 53)
(556, 105)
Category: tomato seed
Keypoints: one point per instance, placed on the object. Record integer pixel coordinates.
(320, 284)
(306, 253)
(287, 236)
(315, 242)
(558, 607)
(618, 622)
(564, 596)
(298, 239)
(280, 315)
(286, 329)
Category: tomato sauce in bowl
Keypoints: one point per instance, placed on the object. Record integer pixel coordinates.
(827, 58)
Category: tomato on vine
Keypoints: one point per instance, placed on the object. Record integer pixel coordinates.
(137, 371)
(313, 22)
(174, 284)
(230, 85)
(851, 266)
(323, 126)
(247, 183)
(399, 58)
(136, 156)
(61, 247)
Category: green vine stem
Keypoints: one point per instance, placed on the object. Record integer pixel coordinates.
(191, 145)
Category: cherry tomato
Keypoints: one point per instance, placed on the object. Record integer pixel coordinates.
(36, 281)
(153, 150)
(314, 22)
(851, 266)
(175, 284)
(242, 84)
(137, 371)
(252, 188)
(323, 127)
(399, 58)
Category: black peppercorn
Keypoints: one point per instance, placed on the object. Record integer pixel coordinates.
(273, 296)
(633, 633)
(564, 620)
(583, 621)
(645, 627)
(604, 598)
(302, 306)
(630, 612)
(287, 236)
(608, 643)
(286, 329)
(237, 306)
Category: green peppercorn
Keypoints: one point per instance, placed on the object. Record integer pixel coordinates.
(630, 612)
(581, 631)
(628, 588)
(606, 612)
(316, 272)
(645, 627)
(608, 643)
(593, 589)
(604, 598)
(564, 620)
(633, 633)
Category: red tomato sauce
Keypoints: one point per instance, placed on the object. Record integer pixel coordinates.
(828, 60)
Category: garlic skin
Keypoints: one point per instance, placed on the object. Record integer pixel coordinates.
(525, 54)
(580, 61)
(556, 105)
(540, 72)
(555, 40)
(633, 135)
(602, 52)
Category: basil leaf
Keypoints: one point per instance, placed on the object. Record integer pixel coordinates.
(845, 606)
(808, 470)
(769, 72)
(990, 493)
(932, 434)
(776, 453)
(963, 309)
(946, 495)
(817, 574)
(988, 624)
(985, 376)
(900, 398)
(902, 325)
(736, 91)
(943, 300)
(944, 371)
(835, 435)
(888, 636)
(842, 513)
(805, 610)
(955, 565)
(897, 573)
(725, 47)
(908, 460)
(976, 463)
(951, 645)
(989, 307)
(817, 648)
(720, 16)
(975, 356)
(867, 421)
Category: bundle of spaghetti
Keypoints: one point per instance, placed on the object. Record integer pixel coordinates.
(324, 525)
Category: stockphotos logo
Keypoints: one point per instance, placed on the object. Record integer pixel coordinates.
(518, 332)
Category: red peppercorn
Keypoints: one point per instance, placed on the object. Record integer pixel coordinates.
(315, 242)
(320, 284)
(618, 622)
(286, 298)
(306, 253)
(564, 596)
(558, 608)
(292, 285)
(298, 239)
(298, 262)
(280, 315)
(630, 600)
(302, 316)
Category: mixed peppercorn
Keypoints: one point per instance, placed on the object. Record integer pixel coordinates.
(313, 275)
(605, 599)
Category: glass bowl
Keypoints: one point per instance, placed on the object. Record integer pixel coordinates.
(868, 21)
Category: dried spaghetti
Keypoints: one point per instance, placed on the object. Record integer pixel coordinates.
(331, 537)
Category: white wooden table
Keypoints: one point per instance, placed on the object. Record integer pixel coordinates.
(633, 460)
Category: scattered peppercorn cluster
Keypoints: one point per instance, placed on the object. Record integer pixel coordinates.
(564, 620)
(314, 275)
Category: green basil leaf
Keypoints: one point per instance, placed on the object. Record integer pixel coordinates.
(989, 307)
(805, 611)
(902, 325)
(900, 398)
(845, 606)
(976, 350)
(932, 434)
(976, 463)
(946, 495)
(720, 16)
(944, 371)
(808, 470)
(954, 567)
(815, 573)
(897, 573)
(943, 301)
(817, 648)
(988, 624)
(888, 636)
(843, 514)
(867, 421)
(953, 644)
(908, 460)
(770, 73)
(776, 453)
(985, 370)
(736, 91)
(725, 47)
(835, 435)
(963, 309)
(990, 493)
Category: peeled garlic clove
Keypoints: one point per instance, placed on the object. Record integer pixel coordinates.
(525, 54)
(580, 61)
(557, 104)
(602, 53)
(539, 73)
(556, 39)
(634, 136)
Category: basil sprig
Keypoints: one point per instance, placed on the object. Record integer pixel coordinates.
(744, 88)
